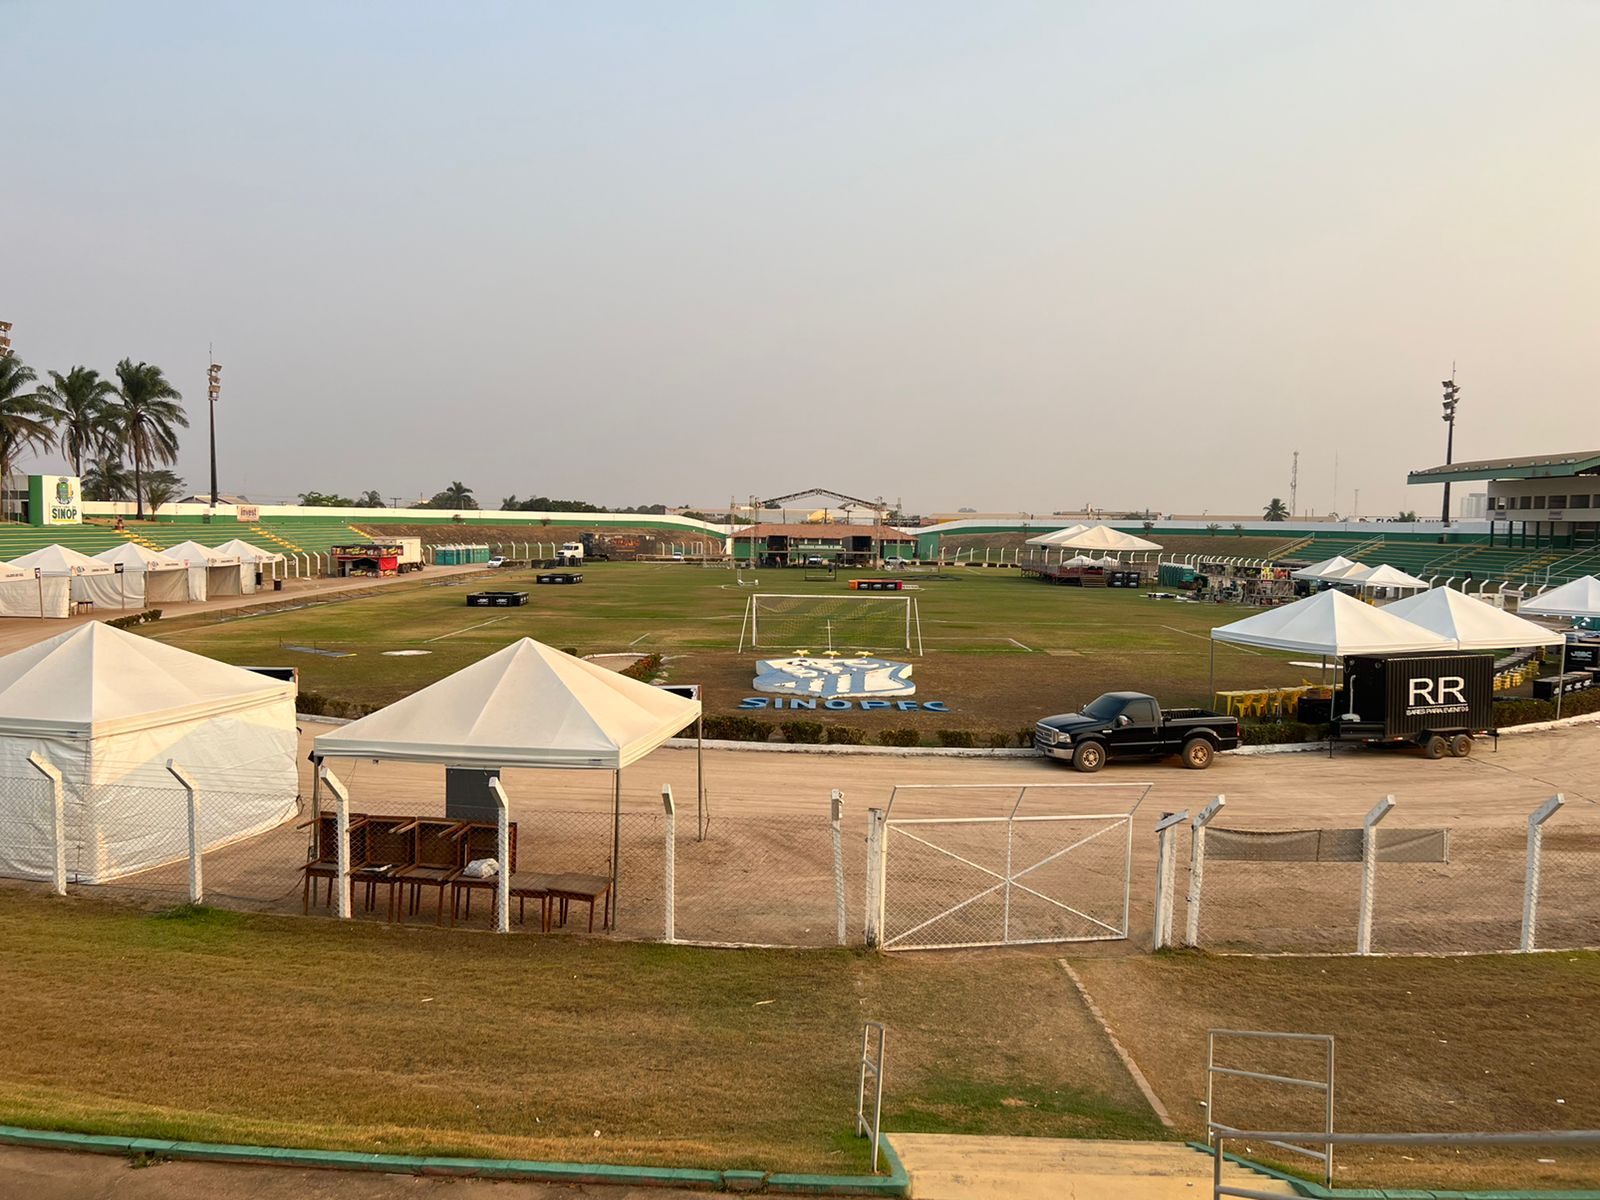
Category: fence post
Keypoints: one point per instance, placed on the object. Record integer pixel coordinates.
(876, 854)
(836, 819)
(58, 808)
(1530, 886)
(197, 890)
(1369, 871)
(1165, 835)
(1197, 869)
(341, 838)
(670, 866)
(502, 857)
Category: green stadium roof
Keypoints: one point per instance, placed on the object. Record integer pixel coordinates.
(1533, 466)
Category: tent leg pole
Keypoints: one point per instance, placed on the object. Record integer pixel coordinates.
(1213, 678)
(1561, 678)
(700, 778)
(616, 843)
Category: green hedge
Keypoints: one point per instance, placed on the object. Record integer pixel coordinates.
(314, 704)
(899, 737)
(132, 619)
(732, 727)
(1281, 733)
(807, 732)
(846, 735)
(959, 738)
(645, 670)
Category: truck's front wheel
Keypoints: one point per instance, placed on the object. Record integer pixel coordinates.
(1197, 754)
(1089, 757)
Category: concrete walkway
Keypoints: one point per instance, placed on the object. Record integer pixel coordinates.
(944, 1167)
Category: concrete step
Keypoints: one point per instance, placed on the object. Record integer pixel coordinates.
(955, 1167)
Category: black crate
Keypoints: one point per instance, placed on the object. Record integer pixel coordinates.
(496, 599)
(559, 577)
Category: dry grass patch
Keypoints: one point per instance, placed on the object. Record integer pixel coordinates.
(230, 1027)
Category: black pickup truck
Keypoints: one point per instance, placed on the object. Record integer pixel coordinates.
(1133, 725)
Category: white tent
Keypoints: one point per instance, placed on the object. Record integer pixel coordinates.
(147, 577)
(254, 557)
(211, 574)
(1056, 536)
(1472, 624)
(1337, 574)
(108, 709)
(1384, 576)
(525, 706)
(89, 578)
(1334, 624)
(27, 593)
(1104, 538)
(1320, 570)
(1580, 598)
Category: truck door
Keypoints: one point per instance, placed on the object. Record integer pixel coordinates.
(1141, 732)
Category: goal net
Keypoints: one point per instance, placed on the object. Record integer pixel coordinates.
(820, 623)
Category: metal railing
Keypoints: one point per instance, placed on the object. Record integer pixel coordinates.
(871, 1065)
(1325, 1137)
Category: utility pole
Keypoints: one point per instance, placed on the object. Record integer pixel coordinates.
(213, 390)
(1294, 488)
(1452, 397)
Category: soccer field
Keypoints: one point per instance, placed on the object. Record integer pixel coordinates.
(1001, 650)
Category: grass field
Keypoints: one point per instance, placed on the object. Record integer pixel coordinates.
(1001, 650)
(227, 1027)
(1502, 1042)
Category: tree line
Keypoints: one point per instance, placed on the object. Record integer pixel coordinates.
(125, 430)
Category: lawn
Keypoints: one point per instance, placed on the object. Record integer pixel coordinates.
(1001, 650)
(230, 1027)
(1506, 1042)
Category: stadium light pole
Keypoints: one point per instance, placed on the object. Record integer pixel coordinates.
(213, 390)
(1452, 396)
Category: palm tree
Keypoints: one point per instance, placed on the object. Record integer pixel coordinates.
(81, 400)
(458, 495)
(160, 487)
(145, 420)
(24, 419)
(107, 479)
(1277, 510)
(370, 498)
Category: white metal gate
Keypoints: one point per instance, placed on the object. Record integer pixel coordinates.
(1017, 879)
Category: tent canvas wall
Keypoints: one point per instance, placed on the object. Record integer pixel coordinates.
(70, 700)
(254, 558)
(88, 578)
(211, 575)
(147, 577)
(29, 594)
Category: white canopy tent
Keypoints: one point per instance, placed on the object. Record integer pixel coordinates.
(1104, 538)
(1472, 624)
(147, 577)
(1321, 570)
(1579, 598)
(108, 709)
(88, 578)
(1330, 624)
(27, 593)
(527, 705)
(1383, 578)
(255, 557)
(1056, 536)
(211, 574)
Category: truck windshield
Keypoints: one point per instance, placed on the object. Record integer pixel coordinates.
(1104, 708)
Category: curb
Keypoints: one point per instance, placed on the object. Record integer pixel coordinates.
(895, 1183)
(1153, 1100)
(1315, 1191)
(874, 751)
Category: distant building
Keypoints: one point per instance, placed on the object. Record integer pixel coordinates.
(1537, 500)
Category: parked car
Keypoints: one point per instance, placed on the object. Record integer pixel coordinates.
(1133, 725)
(499, 560)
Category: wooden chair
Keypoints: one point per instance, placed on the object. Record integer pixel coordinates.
(386, 847)
(479, 840)
(534, 885)
(584, 888)
(322, 857)
(436, 862)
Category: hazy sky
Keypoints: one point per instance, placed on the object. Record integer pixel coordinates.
(1007, 255)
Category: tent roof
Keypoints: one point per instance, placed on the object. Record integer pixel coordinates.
(1331, 623)
(1474, 624)
(1580, 598)
(525, 706)
(1103, 537)
(1055, 536)
(196, 553)
(97, 680)
(248, 552)
(1317, 569)
(62, 560)
(1382, 576)
(135, 557)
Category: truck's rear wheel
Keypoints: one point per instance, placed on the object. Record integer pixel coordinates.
(1434, 746)
(1461, 745)
(1089, 757)
(1197, 754)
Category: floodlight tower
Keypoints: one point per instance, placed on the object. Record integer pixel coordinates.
(213, 390)
(1294, 487)
(1452, 397)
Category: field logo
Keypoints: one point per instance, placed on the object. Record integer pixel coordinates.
(834, 677)
(54, 500)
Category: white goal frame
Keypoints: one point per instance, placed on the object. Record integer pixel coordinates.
(749, 629)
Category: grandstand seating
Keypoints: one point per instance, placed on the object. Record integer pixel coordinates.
(1457, 560)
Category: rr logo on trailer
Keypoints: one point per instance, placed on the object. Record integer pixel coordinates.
(1444, 693)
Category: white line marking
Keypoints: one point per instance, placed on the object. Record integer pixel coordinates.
(637, 640)
(1019, 645)
(1203, 638)
(468, 629)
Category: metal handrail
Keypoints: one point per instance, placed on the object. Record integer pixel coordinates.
(874, 1067)
(1323, 1085)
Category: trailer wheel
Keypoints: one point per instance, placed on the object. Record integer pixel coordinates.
(1197, 753)
(1089, 757)
(1434, 746)
(1461, 745)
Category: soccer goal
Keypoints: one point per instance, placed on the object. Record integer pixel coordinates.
(843, 623)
